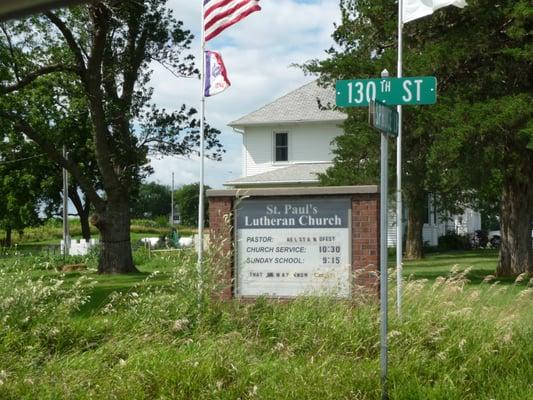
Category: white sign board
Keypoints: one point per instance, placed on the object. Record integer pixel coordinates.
(291, 247)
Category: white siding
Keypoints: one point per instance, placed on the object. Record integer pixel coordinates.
(308, 142)
(465, 224)
(244, 162)
(430, 233)
(391, 228)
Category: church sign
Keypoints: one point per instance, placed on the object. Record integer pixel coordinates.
(286, 242)
(287, 247)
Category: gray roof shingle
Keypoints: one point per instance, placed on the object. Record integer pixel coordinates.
(293, 174)
(300, 105)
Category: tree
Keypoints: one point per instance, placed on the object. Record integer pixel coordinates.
(152, 200)
(105, 48)
(366, 42)
(22, 180)
(72, 127)
(187, 200)
(356, 155)
(48, 187)
(69, 126)
(488, 146)
(470, 149)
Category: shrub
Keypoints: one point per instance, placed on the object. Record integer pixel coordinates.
(161, 221)
(453, 241)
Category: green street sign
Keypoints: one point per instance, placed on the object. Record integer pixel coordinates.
(390, 91)
(383, 118)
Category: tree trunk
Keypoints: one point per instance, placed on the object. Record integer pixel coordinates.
(115, 245)
(82, 210)
(415, 201)
(85, 227)
(516, 251)
(8, 238)
(413, 242)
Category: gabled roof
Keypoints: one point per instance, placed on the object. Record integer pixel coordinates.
(300, 105)
(305, 173)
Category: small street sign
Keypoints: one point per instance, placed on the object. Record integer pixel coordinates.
(390, 91)
(383, 118)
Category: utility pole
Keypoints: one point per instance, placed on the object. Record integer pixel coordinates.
(172, 202)
(66, 233)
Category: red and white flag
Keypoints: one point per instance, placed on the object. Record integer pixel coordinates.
(221, 14)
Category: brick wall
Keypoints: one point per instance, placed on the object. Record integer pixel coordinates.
(365, 243)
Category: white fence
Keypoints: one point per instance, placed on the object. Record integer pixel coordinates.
(79, 247)
(156, 241)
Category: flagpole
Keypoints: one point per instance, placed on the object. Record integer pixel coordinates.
(399, 223)
(202, 128)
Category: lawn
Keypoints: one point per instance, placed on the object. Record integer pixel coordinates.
(483, 263)
(144, 336)
(48, 235)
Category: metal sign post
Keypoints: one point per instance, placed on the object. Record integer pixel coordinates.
(383, 286)
(379, 95)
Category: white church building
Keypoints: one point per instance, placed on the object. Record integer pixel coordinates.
(290, 140)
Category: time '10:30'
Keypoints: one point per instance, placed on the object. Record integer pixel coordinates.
(329, 249)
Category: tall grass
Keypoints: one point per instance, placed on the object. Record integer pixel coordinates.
(157, 339)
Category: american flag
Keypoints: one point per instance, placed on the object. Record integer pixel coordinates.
(221, 14)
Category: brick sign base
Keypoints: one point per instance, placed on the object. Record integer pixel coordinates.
(364, 230)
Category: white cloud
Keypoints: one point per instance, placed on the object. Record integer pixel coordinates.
(187, 171)
(258, 53)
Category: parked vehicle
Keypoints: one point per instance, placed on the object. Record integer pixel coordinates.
(495, 238)
(177, 220)
(479, 239)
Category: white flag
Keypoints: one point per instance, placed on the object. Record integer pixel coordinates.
(414, 9)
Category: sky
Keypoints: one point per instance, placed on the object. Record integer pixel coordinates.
(258, 53)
